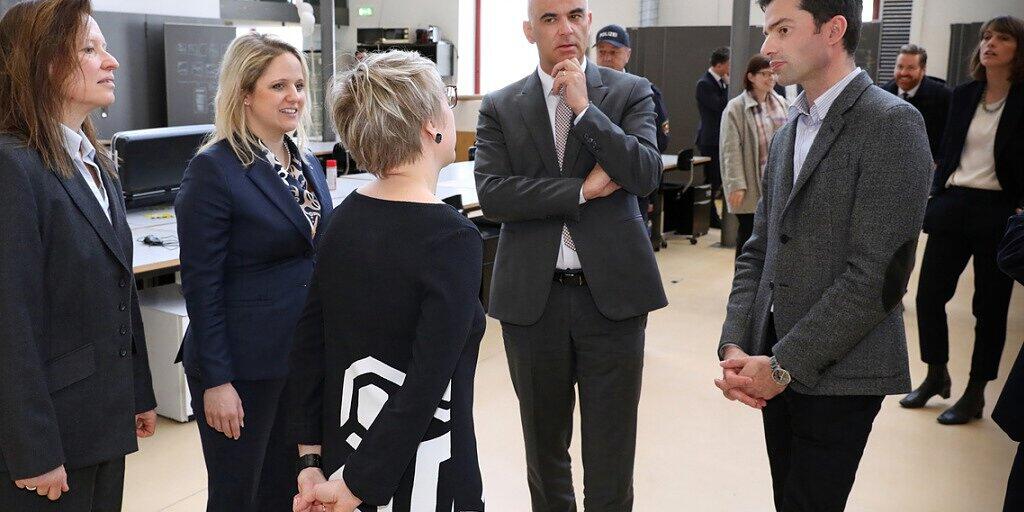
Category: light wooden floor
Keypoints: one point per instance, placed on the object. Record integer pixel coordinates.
(696, 450)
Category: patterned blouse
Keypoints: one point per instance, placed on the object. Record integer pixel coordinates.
(768, 120)
(296, 183)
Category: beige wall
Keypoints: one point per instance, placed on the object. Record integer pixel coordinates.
(930, 21)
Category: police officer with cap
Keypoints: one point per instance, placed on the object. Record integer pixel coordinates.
(613, 52)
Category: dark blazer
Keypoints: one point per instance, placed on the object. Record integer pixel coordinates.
(246, 260)
(519, 184)
(932, 100)
(711, 100)
(833, 252)
(1009, 152)
(1009, 410)
(73, 364)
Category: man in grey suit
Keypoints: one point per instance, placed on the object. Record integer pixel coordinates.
(561, 156)
(814, 333)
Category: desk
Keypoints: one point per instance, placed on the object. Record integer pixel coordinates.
(455, 179)
(678, 179)
(322, 149)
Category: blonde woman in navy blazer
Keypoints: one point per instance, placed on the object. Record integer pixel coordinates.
(251, 206)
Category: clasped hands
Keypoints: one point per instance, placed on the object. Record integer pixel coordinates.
(747, 379)
(317, 494)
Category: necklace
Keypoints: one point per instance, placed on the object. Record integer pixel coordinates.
(998, 105)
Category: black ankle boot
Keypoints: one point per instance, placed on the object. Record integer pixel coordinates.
(969, 407)
(936, 383)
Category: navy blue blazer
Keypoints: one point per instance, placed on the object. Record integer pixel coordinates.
(1009, 410)
(711, 100)
(247, 256)
(1009, 152)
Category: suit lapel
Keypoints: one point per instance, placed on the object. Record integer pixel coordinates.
(1011, 113)
(263, 175)
(118, 215)
(596, 91)
(318, 182)
(831, 127)
(534, 110)
(788, 147)
(86, 202)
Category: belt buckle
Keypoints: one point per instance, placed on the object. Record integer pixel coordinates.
(571, 278)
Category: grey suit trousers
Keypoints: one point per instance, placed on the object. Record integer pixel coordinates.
(573, 344)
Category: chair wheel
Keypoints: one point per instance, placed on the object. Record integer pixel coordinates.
(664, 244)
(693, 241)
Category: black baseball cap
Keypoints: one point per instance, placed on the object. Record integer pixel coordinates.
(613, 34)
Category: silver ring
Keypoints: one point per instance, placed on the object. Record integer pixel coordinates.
(30, 488)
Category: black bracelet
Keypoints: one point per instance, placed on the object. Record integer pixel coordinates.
(310, 460)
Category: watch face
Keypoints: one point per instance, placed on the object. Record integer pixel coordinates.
(780, 376)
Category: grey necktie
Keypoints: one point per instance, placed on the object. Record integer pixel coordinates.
(563, 121)
(721, 82)
(905, 96)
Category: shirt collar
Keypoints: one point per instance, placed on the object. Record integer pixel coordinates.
(78, 145)
(715, 75)
(547, 81)
(913, 92)
(819, 110)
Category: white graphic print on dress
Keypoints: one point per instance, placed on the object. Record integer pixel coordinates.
(370, 401)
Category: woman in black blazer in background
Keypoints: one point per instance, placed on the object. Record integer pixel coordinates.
(251, 206)
(75, 386)
(978, 186)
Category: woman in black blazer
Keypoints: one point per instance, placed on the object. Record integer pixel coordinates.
(75, 387)
(978, 186)
(251, 207)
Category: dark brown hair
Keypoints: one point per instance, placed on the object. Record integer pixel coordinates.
(913, 49)
(824, 10)
(1012, 27)
(39, 42)
(754, 65)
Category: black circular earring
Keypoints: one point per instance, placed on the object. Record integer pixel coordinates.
(437, 138)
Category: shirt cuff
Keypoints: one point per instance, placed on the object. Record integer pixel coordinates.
(582, 199)
(580, 116)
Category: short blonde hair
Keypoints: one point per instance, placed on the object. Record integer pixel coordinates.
(380, 105)
(244, 63)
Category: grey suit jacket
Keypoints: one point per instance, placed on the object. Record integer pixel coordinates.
(834, 251)
(519, 185)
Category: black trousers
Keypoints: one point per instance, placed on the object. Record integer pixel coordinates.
(713, 174)
(815, 444)
(1015, 486)
(964, 223)
(743, 232)
(96, 488)
(574, 346)
(256, 472)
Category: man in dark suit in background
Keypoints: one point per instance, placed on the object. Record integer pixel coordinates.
(561, 156)
(929, 95)
(613, 52)
(1009, 410)
(712, 95)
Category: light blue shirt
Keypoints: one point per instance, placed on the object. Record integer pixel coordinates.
(83, 154)
(810, 118)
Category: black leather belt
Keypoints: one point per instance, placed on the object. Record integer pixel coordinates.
(570, 277)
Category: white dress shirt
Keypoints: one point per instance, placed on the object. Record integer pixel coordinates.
(568, 259)
(810, 119)
(83, 154)
(718, 78)
(911, 93)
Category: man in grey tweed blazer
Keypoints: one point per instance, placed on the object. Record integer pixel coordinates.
(814, 333)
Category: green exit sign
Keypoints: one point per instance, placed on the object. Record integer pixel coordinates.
(366, 11)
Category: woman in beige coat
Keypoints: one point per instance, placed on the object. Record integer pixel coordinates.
(748, 123)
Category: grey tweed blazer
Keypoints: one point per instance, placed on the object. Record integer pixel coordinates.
(833, 252)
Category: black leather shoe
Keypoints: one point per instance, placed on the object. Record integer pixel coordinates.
(930, 387)
(969, 407)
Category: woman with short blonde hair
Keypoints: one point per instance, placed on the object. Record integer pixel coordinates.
(390, 336)
(252, 205)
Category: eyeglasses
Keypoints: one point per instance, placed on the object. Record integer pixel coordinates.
(452, 93)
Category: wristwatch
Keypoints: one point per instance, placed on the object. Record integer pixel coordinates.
(310, 460)
(780, 376)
